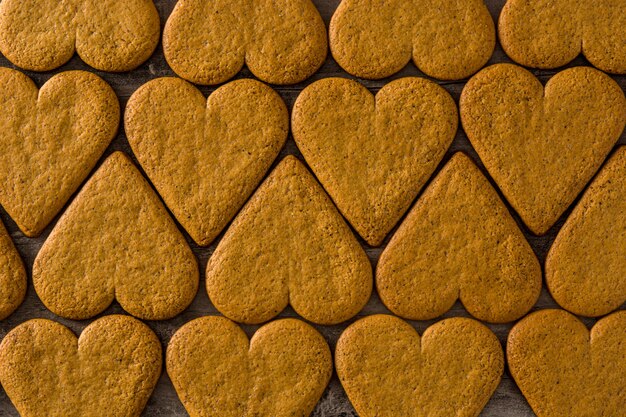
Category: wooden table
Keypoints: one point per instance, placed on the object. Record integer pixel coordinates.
(507, 400)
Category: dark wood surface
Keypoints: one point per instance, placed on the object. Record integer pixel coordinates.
(506, 402)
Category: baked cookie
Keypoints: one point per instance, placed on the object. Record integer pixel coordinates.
(282, 371)
(41, 35)
(116, 241)
(205, 157)
(447, 39)
(281, 41)
(549, 34)
(459, 242)
(564, 370)
(50, 139)
(586, 265)
(388, 370)
(12, 275)
(289, 245)
(371, 153)
(542, 145)
(109, 371)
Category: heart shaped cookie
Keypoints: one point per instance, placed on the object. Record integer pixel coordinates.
(12, 276)
(205, 157)
(459, 242)
(586, 265)
(110, 370)
(388, 370)
(208, 41)
(373, 154)
(542, 145)
(116, 241)
(41, 35)
(51, 139)
(282, 371)
(565, 370)
(447, 39)
(549, 34)
(289, 245)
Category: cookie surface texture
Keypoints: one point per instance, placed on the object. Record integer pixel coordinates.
(109, 371)
(282, 371)
(388, 370)
(563, 369)
(371, 153)
(289, 245)
(205, 157)
(12, 275)
(459, 242)
(551, 33)
(116, 241)
(51, 139)
(447, 39)
(542, 145)
(108, 35)
(281, 41)
(586, 265)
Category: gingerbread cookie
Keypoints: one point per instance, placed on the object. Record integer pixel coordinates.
(110, 370)
(205, 157)
(388, 370)
(373, 154)
(116, 241)
(51, 139)
(447, 39)
(549, 34)
(459, 242)
(565, 370)
(586, 265)
(542, 145)
(41, 35)
(12, 276)
(281, 41)
(282, 371)
(289, 245)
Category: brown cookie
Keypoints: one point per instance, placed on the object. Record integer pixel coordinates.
(459, 242)
(586, 265)
(289, 245)
(109, 371)
(388, 370)
(41, 35)
(12, 275)
(549, 34)
(50, 139)
(281, 41)
(205, 157)
(565, 370)
(116, 241)
(447, 39)
(282, 371)
(373, 154)
(542, 145)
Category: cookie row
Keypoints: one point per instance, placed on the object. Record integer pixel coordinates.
(285, 42)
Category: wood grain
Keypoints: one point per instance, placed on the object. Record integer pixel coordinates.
(506, 402)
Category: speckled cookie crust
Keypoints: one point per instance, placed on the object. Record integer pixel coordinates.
(281, 41)
(289, 245)
(371, 153)
(50, 139)
(109, 35)
(542, 145)
(388, 370)
(12, 275)
(459, 242)
(109, 371)
(281, 372)
(205, 157)
(116, 241)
